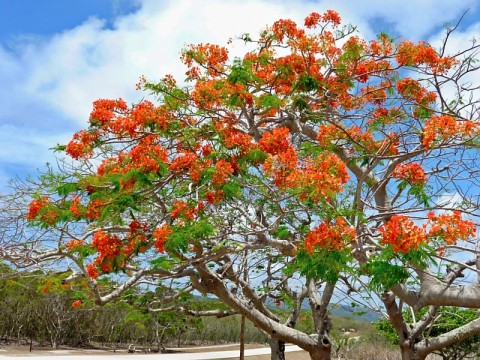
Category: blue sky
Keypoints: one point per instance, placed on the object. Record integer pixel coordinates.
(57, 56)
(51, 16)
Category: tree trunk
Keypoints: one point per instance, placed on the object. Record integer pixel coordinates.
(321, 354)
(323, 350)
(242, 339)
(410, 354)
(277, 349)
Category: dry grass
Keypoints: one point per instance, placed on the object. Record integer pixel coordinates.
(363, 351)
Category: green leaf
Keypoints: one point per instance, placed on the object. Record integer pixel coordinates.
(420, 257)
(323, 264)
(163, 262)
(423, 112)
(419, 192)
(307, 83)
(384, 275)
(256, 156)
(310, 149)
(282, 232)
(67, 188)
(232, 190)
(59, 148)
(240, 73)
(300, 103)
(269, 101)
(190, 233)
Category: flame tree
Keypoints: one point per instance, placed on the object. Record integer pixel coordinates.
(336, 163)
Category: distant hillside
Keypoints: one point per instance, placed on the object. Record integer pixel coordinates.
(341, 310)
(356, 313)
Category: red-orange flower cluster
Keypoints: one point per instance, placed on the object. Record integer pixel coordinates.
(223, 170)
(331, 235)
(35, 207)
(92, 271)
(276, 141)
(445, 127)
(412, 90)
(210, 56)
(413, 173)
(43, 210)
(314, 178)
(319, 178)
(312, 20)
(108, 246)
(450, 227)
(234, 138)
(73, 244)
(104, 110)
(410, 54)
(161, 235)
(402, 234)
(147, 156)
(182, 209)
(81, 145)
(184, 161)
(76, 304)
(214, 197)
(76, 207)
(94, 209)
(281, 166)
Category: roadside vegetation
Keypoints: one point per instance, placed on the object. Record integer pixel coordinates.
(40, 310)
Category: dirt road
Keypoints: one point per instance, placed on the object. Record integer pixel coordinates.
(199, 353)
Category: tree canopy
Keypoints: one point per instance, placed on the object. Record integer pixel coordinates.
(320, 159)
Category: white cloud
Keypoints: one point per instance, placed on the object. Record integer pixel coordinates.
(449, 201)
(413, 19)
(51, 82)
(461, 40)
(34, 145)
(91, 61)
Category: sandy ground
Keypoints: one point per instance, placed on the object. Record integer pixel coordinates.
(224, 352)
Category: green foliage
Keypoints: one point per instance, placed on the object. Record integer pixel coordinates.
(67, 188)
(189, 233)
(226, 330)
(423, 112)
(384, 274)
(256, 156)
(419, 192)
(282, 232)
(322, 264)
(269, 101)
(308, 148)
(300, 103)
(307, 83)
(240, 73)
(163, 262)
(232, 190)
(38, 306)
(420, 257)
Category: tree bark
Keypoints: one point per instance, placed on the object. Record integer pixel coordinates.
(410, 354)
(321, 354)
(277, 349)
(242, 338)
(209, 282)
